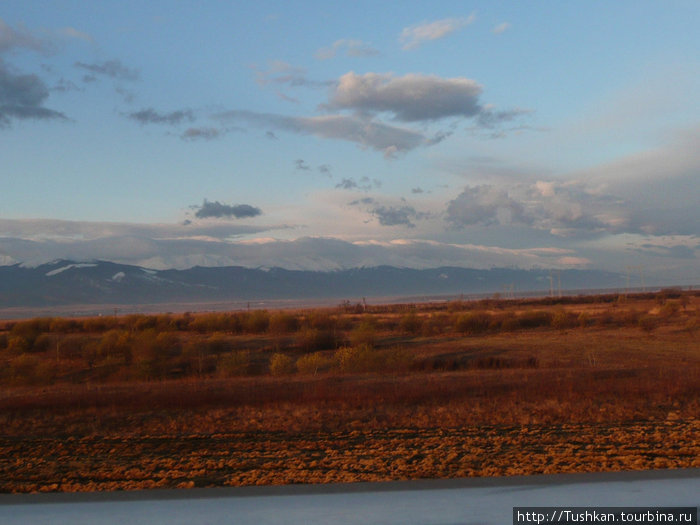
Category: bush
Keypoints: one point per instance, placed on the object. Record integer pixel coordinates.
(473, 323)
(535, 319)
(648, 323)
(321, 321)
(561, 320)
(364, 358)
(360, 358)
(313, 363)
(364, 334)
(257, 322)
(281, 364)
(235, 363)
(436, 324)
(411, 324)
(311, 339)
(283, 323)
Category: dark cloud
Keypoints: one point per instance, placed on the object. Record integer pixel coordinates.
(390, 215)
(110, 68)
(300, 165)
(417, 190)
(364, 184)
(397, 215)
(364, 200)
(218, 210)
(23, 97)
(325, 169)
(489, 118)
(201, 134)
(127, 96)
(64, 85)
(151, 116)
(270, 135)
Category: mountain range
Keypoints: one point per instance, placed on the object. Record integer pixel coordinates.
(64, 282)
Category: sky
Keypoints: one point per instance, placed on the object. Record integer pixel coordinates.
(326, 135)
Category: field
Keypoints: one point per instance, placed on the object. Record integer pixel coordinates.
(352, 393)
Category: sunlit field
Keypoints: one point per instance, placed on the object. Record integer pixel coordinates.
(351, 393)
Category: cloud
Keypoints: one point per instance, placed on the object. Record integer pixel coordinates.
(677, 251)
(363, 131)
(151, 116)
(280, 72)
(205, 133)
(71, 32)
(364, 184)
(352, 48)
(110, 68)
(11, 39)
(300, 165)
(409, 98)
(218, 210)
(484, 205)
(489, 118)
(417, 190)
(501, 28)
(389, 214)
(325, 169)
(414, 36)
(22, 97)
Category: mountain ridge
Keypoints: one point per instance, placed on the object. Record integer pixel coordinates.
(66, 282)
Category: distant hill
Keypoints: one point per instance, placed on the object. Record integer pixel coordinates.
(68, 282)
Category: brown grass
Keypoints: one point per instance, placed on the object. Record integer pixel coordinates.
(460, 389)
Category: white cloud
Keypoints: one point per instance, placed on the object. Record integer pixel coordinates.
(501, 28)
(414, 36)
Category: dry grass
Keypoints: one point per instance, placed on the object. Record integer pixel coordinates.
(404, 392)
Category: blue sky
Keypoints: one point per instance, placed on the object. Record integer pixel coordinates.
(324, 135)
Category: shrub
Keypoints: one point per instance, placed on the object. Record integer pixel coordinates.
(583, 320)
(283, 323)
(648, 323)
(321, 321)
(235, 363)
(364, 358)
(364, 334)
(61, 325)
(313, 363)
(473, 323)
(281, 364)
(312, 339)
(218, 344)
(670, 309)
(18, 345)
(197, 357)
(115, 346)
(257, 322)
(534, 319)
(561, 320)
(360, 358)
(411, 324)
